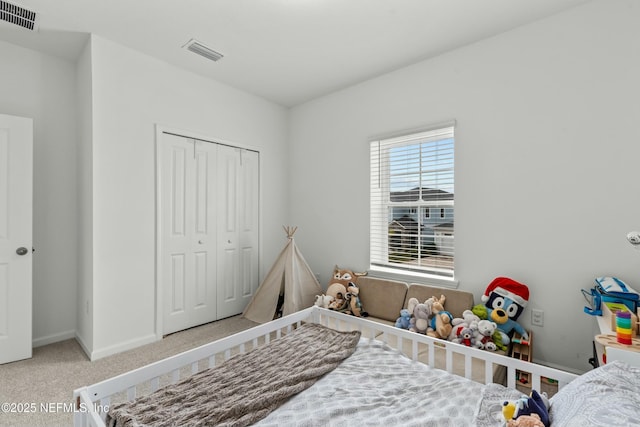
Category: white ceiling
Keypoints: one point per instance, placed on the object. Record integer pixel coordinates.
(287, 51)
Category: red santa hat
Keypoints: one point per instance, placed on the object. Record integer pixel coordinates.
(508, 288)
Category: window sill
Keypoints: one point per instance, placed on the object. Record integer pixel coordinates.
(409, 277)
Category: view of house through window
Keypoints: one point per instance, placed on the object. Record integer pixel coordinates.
(412, 202)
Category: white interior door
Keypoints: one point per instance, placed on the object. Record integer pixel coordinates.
(188, 232)
(238, 186)
(16, 204)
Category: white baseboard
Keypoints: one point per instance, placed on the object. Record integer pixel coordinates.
(119, 348)
(53, 338)
(83, 345)
(559, 367)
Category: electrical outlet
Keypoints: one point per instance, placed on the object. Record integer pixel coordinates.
(537, 317)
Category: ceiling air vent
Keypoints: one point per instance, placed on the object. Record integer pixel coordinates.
(196, 47)
(17, 15)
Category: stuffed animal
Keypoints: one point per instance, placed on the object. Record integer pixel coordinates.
(340, 279)
(411, 304)
(484, 335)
(532, 420)
(354, 305)
(336, 288)
(323, 301)
(440, 324)
(532, 410)
(535, 405)
(468, 317)
(338, 302)
(420, 320)
(465, 336)
(468, 320)
(338, 285)
(505, 299)
(404, 321)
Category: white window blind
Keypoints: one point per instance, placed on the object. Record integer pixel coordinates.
(412, 202)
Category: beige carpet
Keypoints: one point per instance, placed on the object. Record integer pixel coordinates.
(48, 379)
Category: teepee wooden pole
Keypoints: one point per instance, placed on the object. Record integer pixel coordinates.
(290, 231)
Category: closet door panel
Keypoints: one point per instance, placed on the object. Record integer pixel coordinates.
(238, 186)
(188, 249)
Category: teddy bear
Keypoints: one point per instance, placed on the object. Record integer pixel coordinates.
(465, 336)
(468, 317)
(404, 321)
(440, 324)
(484, 335)
(468, 320)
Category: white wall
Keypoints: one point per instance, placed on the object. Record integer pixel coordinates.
(131, 93)
(547, 148)
(42, 87)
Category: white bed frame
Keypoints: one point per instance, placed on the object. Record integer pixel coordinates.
(92, 401)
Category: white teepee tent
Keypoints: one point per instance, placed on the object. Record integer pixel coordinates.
(289, 286)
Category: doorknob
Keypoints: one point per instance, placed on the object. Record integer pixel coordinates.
(22, 251)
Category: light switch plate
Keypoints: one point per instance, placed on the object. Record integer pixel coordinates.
(537, 317)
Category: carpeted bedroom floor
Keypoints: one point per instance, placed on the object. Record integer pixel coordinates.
(50, 376)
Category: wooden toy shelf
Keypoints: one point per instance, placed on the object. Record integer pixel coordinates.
(522, 349)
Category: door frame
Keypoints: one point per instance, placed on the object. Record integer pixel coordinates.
(159, 131)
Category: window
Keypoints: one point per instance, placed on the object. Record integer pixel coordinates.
(409, 175)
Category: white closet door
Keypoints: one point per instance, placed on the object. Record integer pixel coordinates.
(16, 204)
(238, 185)
(188, 232)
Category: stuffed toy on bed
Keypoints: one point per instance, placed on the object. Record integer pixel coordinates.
(528, 411)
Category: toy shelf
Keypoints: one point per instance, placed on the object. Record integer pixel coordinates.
(522, 349)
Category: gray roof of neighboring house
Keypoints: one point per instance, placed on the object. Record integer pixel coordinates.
(444, 225)
(406, 222)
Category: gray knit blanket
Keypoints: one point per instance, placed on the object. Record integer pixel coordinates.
(244, 389)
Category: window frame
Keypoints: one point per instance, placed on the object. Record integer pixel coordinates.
(381, 205)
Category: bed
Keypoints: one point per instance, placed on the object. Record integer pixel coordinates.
(318, 367)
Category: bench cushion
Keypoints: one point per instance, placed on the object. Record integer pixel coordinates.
(456, 302)
(382, 298)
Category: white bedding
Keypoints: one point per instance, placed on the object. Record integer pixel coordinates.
(605, 397)
(377, 385)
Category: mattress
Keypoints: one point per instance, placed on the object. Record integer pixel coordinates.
(379, 385)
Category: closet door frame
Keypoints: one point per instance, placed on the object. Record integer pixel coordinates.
(160, 130)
